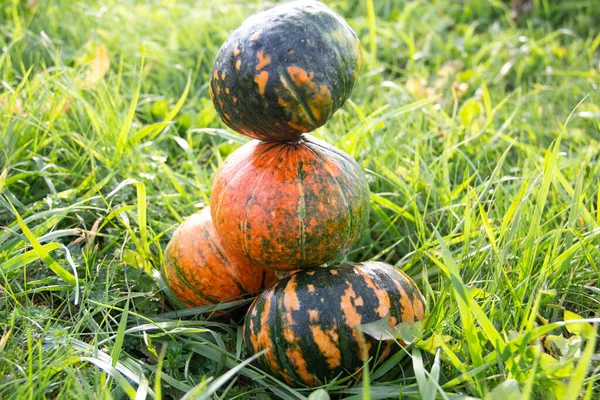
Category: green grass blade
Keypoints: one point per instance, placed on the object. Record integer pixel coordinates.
(114, 373)
(152, 130)
(201, 393)
(124, 132)
(142, 390)
(3, 178)
(26, 258)
(392, 206)
(158, 373)
(488, 228)
(372, 29)
(366, 381)
(42, 252)
(116, 352)
(576, 383)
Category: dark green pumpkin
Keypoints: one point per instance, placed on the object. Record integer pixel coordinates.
(307, 321)
(285, 71)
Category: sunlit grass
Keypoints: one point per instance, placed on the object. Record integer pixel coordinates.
(479, 130)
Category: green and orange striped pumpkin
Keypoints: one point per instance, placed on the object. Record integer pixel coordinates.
(285, 71)
(200, 269)
(307, 321)
(286, 206)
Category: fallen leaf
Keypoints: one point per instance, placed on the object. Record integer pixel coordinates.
(31, 4)
(508, 390)
(379, 330)
(16, 108)
(99, 66)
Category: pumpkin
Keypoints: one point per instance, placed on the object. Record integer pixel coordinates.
(200, 269)
(286, 206)
(285, 71)
(307, 322)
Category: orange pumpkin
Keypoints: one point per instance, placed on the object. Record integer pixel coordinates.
(287, 206)
(200, 269)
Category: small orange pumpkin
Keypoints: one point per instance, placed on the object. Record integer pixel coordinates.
(200, 269)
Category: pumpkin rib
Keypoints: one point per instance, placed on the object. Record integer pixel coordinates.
(341, 191)
(272, 362)
(341, 60)
(348, 347)
(295, 349)
(320, 331)
(379, 292)
(176, 278)
(277, 329)
(331, 149)
(228, 265)
(410, 301)
(344, 156)
(285, 80)
(184, 279)
(200, 269)
(222, 196)
(252, 197)
(301, 208)
(416, 298)
(188, 285)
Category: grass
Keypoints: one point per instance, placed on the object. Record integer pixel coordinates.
(479, 129)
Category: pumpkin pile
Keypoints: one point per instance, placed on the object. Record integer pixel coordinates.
(287, 201)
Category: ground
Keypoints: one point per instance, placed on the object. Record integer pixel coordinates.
(477, 123)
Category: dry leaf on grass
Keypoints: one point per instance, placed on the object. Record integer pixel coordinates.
(99, 66)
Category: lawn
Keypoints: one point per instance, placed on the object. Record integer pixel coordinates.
(477, 124)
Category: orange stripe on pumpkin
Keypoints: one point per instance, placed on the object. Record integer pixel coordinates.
(384, 301)
(261, 80)
(299, 363)
(326, 346)
(353, 319)
(263, 60)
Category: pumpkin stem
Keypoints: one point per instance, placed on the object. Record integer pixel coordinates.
(297, 142)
